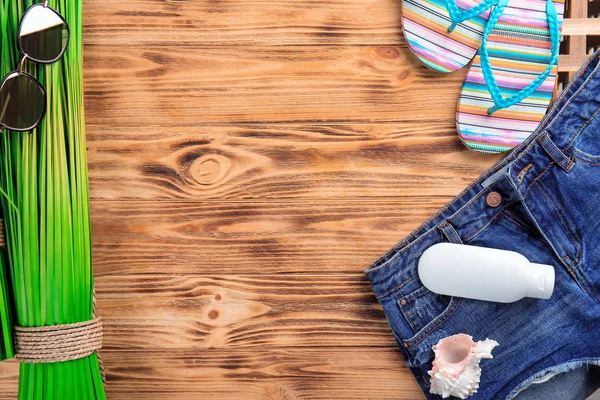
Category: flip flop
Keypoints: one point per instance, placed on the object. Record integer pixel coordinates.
(510, 83)
(445, 34)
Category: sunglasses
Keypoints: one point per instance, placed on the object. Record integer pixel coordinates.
(43, 38)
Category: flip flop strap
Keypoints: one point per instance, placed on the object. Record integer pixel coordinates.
(457, 15)
(500, 101)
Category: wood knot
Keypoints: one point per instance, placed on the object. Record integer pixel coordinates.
(402, 75)
(388, 52)
(209, 169)
(213, 314)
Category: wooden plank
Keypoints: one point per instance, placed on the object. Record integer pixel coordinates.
(197, 312)
(179, 312)
(241, 23)
(140, 86)
(572, 63)
(210, 238)
(269, 374)
(252, 23)
(312, 373)
(577, 45)
(9, 378)
(280, 374)
(281, 161)
(581, 26)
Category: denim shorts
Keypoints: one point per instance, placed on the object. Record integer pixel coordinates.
(543, 201)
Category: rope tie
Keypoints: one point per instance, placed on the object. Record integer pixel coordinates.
(60, 343)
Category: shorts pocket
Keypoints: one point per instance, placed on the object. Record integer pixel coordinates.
(414, 312)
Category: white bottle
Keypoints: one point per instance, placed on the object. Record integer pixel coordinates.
(483, 274)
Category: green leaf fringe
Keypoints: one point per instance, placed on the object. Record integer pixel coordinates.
(47, 213)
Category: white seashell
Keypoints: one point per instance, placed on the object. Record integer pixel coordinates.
(456, 370)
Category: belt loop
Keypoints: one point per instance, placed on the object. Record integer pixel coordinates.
(449, 232)
(557, 154)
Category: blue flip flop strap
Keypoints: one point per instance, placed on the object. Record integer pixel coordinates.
(501, 102)
(457, 15)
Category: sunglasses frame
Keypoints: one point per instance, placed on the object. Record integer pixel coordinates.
(45, 5)
(19, 71)
(9, 76)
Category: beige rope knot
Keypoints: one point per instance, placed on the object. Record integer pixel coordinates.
(58, 343)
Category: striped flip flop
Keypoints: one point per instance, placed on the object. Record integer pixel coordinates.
(445, 34)
(511, 80)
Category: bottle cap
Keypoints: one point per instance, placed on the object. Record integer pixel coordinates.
(542, 281)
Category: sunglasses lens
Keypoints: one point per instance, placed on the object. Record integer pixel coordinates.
(22, 102)
(43, 35)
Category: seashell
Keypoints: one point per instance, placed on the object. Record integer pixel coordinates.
(456, 370)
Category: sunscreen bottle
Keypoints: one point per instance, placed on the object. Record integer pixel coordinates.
(483, 274)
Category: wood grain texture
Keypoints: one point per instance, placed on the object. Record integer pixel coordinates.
(247, 23)
(572, 63)
(289, 374)
(344, 374)
(143, 85)
(9, 376)
(250, 237)
(582, 26)
(280, 161)
(269, 374)
(242, 23)
(161, 312)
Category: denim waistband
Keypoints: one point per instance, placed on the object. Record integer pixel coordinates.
(470, 212)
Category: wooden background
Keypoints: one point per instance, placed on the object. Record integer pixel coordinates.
(248, 160)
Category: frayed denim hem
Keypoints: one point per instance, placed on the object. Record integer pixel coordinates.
(553, 371)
